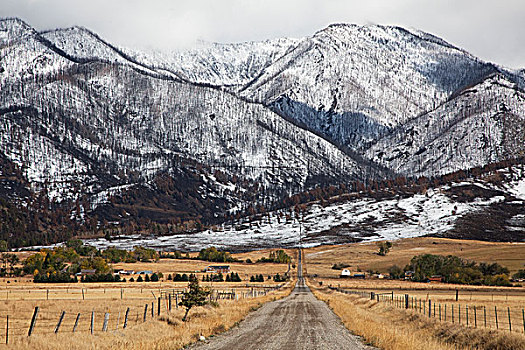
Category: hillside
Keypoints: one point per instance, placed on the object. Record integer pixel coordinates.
(106, 138)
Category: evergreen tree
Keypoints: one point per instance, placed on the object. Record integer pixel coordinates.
(196, 296)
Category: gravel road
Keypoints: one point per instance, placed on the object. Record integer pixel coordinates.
(299, 321)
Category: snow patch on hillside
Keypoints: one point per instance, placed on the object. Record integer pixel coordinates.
(363, 219)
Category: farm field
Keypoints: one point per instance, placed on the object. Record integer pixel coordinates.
(108, 303)
(364, 257)
(485, 313)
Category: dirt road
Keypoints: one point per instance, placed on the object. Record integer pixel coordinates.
(299, 321)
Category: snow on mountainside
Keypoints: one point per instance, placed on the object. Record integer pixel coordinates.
(483, 124)
(346, 75)
(61, 118)
(219, 64)
(223, 129)
(450, 210)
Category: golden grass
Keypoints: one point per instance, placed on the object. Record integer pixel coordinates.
(363, 255)
(166, 332)
(174, 266)
(393, 329)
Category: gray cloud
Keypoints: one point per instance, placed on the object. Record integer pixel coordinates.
(491, 30)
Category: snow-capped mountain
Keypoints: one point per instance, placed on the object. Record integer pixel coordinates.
(484, 123)
(233, 126)
(83, 120)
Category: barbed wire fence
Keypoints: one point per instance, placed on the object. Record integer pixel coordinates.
(476, 315)
(94, 322)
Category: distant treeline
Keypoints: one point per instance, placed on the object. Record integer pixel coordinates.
(453, 269)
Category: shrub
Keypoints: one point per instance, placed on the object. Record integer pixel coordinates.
(195, 296)
(395, 272)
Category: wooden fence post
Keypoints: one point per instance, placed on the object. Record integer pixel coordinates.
(510, 322)
(485, 316)
(145, 313)
(126, 319)
(33, 322)
(445, 313)
(169, 302)
(47, 294)
(7, 329)
(83, 294)
(429, 308)
(406, 301)
(452, 313)
(121, 293)
(76, 322)
(152, 309)
(105, 324)
(92, 326)
(523, 319)
(475, 318)
(439, 312)
(466, 310)
(496, 315)
(158, 306)
(60, 321)
(457, 294)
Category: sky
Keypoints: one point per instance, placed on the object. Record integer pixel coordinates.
(493, 30)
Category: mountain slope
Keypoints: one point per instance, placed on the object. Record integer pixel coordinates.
(484, 123)
(80, 124)
(115, 137)
(354, 83)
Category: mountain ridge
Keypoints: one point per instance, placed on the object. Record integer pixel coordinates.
(97, 127)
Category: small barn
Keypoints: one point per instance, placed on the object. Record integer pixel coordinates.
(436, 279)
(217, 269)
(345, 273)
(86, 272)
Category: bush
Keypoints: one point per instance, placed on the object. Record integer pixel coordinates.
(108, 277)
(154, 278)
(257, 278)
(395, 272)
(278, 257)
(384, 248)
(233, 277)
(140, 279)
(53, 278)
(279, 278)
(340, 266)
(519, 275)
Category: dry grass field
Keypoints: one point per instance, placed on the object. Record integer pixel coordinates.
(319, 262)
(20, 296)
(386, 327)
(164, 332)
(364, 256)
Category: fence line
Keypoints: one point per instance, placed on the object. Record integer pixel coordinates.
(511, 319)
(45, 322)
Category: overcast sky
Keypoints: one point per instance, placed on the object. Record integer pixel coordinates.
(493, 30)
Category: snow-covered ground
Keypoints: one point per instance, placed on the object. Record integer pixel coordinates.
(364, 219)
